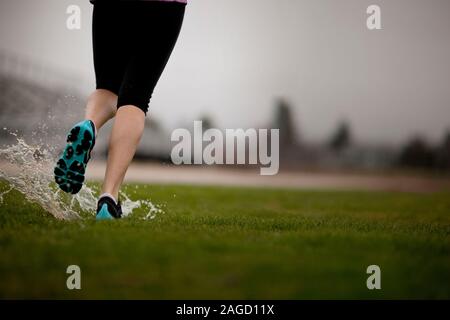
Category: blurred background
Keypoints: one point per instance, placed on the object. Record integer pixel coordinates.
(345, 98)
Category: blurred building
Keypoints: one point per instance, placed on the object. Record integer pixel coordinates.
(42, 104)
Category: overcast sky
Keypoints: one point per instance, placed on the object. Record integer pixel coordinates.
(234, 57)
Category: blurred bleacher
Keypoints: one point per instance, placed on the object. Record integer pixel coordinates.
(33, 97)
(37, 101)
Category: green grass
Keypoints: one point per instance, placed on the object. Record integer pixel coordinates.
(234, 243)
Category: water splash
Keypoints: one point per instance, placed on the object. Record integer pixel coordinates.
(29, 169)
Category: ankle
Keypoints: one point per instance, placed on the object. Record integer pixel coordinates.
(109, 195)
(95, 126)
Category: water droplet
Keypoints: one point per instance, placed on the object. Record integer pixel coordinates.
(33, 176)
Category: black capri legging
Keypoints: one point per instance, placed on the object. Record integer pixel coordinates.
(132, 43)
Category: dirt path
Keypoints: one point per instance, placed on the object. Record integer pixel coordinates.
(204, 175)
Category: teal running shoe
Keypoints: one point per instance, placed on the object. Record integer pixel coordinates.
(107, 209)
(71, 166)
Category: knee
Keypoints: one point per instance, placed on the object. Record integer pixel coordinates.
(140, 104)
(103, 96)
